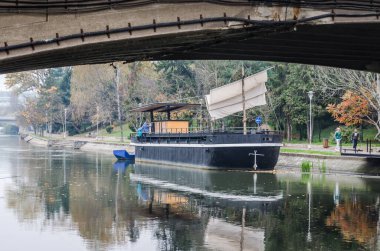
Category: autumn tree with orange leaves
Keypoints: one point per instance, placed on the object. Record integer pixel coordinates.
(361, 101)
(353, 110)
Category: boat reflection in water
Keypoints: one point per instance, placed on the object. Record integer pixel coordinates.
(216, 207)
(122, 165)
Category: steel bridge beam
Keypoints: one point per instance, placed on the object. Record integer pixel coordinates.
(338, 33)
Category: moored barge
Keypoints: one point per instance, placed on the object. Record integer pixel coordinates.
(174, 142)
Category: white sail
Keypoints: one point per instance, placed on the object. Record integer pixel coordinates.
(227, 100)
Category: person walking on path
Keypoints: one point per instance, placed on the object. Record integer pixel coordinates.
(354, 139)
(338, 138)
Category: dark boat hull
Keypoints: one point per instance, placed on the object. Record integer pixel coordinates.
(211, 157)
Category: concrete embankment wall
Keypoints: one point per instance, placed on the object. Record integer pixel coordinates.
(36, 141)
(106, 148)
(333, 164)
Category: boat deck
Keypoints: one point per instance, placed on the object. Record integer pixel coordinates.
(214, 137)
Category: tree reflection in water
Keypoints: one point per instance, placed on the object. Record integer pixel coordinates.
(355, 219)
(186, 209)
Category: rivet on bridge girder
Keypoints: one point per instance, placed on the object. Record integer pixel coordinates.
(249, 18)
(179, 22)
(82, 34)
(57, 37)
(333, 14)
(6, 46)
(31, 43)
(108, 31)
(130, 28)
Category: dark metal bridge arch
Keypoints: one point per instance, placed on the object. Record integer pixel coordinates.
(42, 34)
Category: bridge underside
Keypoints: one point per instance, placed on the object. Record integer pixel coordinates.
(241, 34)
(348, 46)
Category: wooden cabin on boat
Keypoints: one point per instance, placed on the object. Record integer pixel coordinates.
(167, 125)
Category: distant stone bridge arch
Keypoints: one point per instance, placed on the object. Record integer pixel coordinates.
(8, 120)
(36, 34)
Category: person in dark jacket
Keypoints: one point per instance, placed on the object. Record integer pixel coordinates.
(355, 139)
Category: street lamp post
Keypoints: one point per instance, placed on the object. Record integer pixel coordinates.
(65, 124)
(310, 93)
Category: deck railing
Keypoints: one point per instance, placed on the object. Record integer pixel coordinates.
(204, 132)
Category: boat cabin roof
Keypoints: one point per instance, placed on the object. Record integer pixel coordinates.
(164, 107)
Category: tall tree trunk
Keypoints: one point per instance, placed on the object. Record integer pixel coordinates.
(117, 79)
(300, 132)
(377, 125)
(288, 129)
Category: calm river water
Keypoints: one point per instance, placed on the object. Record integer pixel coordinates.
(70, 200)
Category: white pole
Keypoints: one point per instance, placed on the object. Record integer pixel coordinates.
(65, 125)
(310, 127)
(243, 97)
(310, 93)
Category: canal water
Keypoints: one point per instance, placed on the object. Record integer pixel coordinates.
(53, 199)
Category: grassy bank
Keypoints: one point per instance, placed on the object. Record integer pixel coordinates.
(116, 132)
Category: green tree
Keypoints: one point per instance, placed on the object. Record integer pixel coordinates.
(177, 78)
(288, 87)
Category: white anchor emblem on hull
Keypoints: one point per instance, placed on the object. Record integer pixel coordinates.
(255, 154)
